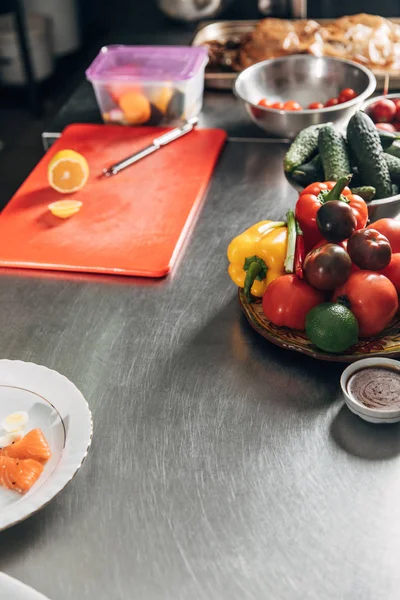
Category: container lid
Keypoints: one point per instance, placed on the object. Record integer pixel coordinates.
(152, 63)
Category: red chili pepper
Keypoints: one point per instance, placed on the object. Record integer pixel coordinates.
(300, 252)
(316, 194)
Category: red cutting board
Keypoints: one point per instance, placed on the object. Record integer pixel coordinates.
(133, 223)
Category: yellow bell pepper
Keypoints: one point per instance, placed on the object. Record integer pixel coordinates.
(257, 257)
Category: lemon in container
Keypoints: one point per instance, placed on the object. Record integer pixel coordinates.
(148, 85)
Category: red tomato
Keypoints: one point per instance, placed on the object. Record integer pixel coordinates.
(372, 298)
(397, 103)
(278, 105)
(386, 127)
(315, 105)
(392, 271)
(390, 228)
(383, 111)
(265, 103)
(346, 95)
(343, 245)
(332, 102)
(292, 105)
(396, 125)
(287, 301)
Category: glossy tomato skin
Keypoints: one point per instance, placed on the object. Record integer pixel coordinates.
(369, 249)
(278, 105)
(346, 95)
(287, 301)
(397, 104)
(292, 105)
(383, 111)
(392, 271)
(336, 221)
(386, 127)
(332, 102)
(390, 228)
(372, 298)
(264, 102)
(327, 267)
(343, 245)
(315, 106)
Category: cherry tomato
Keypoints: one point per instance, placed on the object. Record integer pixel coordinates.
(278, 105)
(383, 111)
(396, 125)
(392, 271)
(265, 103)
(287, 301)
(372, 298)
(315, 105)
(397, 103)
(343, 245)
(390, 228)
(346, 95)
(332, 102)
(292, 105)
(327, 267)
(386, 127)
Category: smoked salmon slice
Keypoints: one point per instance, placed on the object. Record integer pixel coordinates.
(33, 445)
(19, 475)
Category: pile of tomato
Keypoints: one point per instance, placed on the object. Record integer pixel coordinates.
(386, 114)
(344, 96)
(338, 258)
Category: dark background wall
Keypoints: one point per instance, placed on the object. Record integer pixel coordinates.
(133, 11)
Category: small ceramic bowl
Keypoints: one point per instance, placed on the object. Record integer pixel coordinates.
(373, 415)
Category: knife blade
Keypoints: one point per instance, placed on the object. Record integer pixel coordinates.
(158, 143)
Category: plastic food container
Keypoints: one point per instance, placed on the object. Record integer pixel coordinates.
(148, 85)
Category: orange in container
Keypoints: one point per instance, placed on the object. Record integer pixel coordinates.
(136, 108)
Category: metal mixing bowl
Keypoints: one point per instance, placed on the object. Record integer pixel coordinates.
(306, 79)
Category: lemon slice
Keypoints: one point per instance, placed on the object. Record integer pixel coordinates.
(68, 171)
(15, 422)
(64, 209)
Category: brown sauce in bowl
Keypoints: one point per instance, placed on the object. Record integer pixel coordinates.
(376, 387)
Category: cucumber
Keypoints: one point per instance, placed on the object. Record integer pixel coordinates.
(395, 189)
(367, 192)
(302, 149)
(394, 149)
(394, 167)
(309, 172)
(333, 150)
(356, 179)
(365, 143)
(387, 138)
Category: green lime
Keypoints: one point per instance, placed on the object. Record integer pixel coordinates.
(332, 327)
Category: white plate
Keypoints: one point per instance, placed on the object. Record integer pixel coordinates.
(57, 407)
(12, 589)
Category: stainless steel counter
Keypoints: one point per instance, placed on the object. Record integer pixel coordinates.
(222, 467)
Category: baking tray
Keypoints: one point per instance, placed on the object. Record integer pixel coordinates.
(223, 31)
